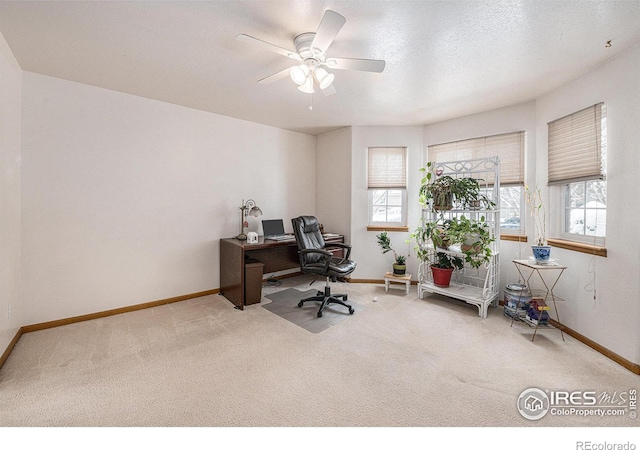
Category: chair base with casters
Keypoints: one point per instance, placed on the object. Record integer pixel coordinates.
(327, 298)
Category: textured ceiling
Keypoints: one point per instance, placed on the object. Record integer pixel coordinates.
(445, 59)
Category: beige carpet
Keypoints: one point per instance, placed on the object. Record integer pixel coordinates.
(397, 362)
(284, 303)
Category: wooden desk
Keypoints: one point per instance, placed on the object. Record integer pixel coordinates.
(276, 256)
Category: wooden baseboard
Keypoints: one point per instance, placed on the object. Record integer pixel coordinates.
(9, 349)
(633, 367)
(364, 280)
(113, 312)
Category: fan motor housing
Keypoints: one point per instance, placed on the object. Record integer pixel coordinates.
(303, 48)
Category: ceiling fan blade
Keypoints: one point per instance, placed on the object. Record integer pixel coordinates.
(275, 76)
(329, 90)
(365, 65)
(329, 26)
(271, 47)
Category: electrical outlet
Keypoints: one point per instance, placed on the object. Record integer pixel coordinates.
(9, 310)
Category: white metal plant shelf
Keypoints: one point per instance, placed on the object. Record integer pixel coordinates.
(479, 286)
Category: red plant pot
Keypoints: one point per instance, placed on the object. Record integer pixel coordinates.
(441, 277)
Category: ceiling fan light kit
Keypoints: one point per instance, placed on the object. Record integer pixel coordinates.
(323, 78)
(307, 86)
(311, 55)
(299, 74)
(304, 76)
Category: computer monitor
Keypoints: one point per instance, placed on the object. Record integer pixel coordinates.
(273, 227)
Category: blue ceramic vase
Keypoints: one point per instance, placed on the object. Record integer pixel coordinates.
(541, 253)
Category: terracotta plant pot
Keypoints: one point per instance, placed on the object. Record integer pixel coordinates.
(471, 248)
(441, 277)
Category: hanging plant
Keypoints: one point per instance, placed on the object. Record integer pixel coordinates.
(443, 192)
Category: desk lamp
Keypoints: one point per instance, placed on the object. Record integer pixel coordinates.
(248, 208)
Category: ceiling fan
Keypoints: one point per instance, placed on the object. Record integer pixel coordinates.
(310, 53)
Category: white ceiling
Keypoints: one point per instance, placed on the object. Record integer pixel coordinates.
(445, 59)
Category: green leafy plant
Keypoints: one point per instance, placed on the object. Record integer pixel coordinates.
(474, 238)
(424, 194)
(436, 190)
(467, 194)
(384, 242)
(441, 192)
(434, 232)
(447, 261)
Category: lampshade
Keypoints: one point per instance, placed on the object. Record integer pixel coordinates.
(323, 78)
(299, 74)
(307, 87)
(255, 211)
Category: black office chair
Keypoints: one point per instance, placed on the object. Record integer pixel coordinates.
(314, 258)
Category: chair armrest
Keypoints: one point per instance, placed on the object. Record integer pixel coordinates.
(337, 244)
(315, 250)
(327, 255)
(341, 245)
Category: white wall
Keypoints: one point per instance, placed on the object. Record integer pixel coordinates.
(504, 120)
(372, 264)
(10, 300)
(612, 318)
(333, 189)
(124, 199)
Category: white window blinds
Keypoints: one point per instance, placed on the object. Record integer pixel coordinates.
(575, 146)
(387, 168)
(508, 147)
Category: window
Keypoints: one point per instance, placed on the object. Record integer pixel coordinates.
(509, 148)
(577, 172)
(387, 184)
(585, 208)
(511, 208)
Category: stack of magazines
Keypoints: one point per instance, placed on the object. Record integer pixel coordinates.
(537, 314)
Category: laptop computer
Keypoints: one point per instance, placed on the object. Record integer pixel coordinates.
(274, 230)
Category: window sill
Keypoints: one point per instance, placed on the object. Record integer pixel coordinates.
(513, 237)
(377, 228)
(578, 247)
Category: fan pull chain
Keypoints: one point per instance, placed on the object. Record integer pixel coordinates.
(311, 105)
